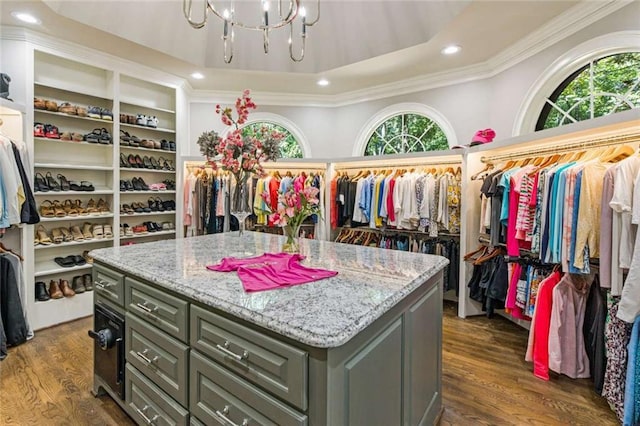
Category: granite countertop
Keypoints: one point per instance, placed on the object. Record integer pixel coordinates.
(325, 313)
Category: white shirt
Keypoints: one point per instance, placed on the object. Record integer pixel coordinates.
(621, 203)
(629, 307)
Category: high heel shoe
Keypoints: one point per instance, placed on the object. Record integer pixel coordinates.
(52, 183)
(40, 183)
(123, 161)
(64, 183)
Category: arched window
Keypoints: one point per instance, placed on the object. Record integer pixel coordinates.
(404, 133)
(289, 147)
(603, 86)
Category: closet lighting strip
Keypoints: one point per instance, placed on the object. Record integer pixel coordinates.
(574, 146)
(403, 165)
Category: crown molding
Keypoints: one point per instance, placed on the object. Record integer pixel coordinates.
(559, 28)
(78, 52)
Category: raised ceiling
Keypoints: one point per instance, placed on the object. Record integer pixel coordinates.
(356, 44)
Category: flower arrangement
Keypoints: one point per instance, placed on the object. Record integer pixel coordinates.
(235, 153)
(294, 206)
(240, 155)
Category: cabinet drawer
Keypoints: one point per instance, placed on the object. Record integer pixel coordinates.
(148, 404)
(159, 356)
(275, 366)
(218, 396)
(108, 284)
(195, 422)
(163, 310)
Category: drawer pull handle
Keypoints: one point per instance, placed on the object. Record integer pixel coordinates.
(226, 351)
(144, 357)
(103, 284)
(147, 420)
(145, 308)
(225, 411)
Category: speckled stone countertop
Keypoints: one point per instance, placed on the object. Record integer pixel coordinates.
(325, 313)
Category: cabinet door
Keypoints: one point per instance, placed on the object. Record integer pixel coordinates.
(373, 381)
(423, 353)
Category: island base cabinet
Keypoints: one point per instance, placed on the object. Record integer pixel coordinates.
(218, 396)
(148, 404)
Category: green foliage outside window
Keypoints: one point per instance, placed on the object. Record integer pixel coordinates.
(602, 87)
(406, 133)
(289, 147)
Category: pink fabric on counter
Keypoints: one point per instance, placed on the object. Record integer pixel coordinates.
(271, 270)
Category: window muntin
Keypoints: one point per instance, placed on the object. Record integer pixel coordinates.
(289, 147)
(404, 133)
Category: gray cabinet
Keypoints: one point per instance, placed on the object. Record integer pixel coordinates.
(191, 364)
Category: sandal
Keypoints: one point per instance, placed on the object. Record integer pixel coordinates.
(124, 163)
(127, 230)
(77, 137)
(40, 184)
(74, 186)
(70, 208)
(57, 236)
(87, 186)
(81, 210)
(52, 183)
(105, 137)
(66, 235)
(67, 108)
(125, 138)
(58, 210)
(65, 136)
(86, 231)
(154, 163)
(91, 207)
(98, 232)
(43, 237)
(65, 262)
(87, 258)
(108, 232)
(46, 210)
(126, 208)
(64, 183)
(159, 204)
(94, 136)
(103, 206)
(77, 233)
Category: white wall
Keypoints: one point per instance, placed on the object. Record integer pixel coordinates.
(493, 102)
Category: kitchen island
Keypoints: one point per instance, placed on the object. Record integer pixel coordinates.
(360, 348)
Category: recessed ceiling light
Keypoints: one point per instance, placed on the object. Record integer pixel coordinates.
(197, 75)
(451, 50)
(25, 17)
(323, 82)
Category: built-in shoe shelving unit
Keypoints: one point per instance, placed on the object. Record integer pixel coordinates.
(102, 94)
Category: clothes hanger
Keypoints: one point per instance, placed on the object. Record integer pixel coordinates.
(497, 251)
(482, 250)
(4, 249)
(621, 152)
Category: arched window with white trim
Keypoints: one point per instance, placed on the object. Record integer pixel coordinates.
(405, 128)
(289, 146)
(601, 87)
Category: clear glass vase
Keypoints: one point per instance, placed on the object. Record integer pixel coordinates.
(240, 205)
(291, 232)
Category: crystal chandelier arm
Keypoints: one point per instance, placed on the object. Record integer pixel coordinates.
(186, 9)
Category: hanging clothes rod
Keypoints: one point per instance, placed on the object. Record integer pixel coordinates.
(556, 149)
(401, 166)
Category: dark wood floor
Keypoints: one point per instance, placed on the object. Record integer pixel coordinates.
(47, 381)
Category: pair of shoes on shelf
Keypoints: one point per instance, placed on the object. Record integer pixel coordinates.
(128, 140)
(48, 131)
(167, 145)
(60, 289)
(70, 109)
(82, 283)
(45, 104)
(70, 261)
(126, 230)
(72, 137)
(127, 119)
(147, 121)
(99, 136)
(171, 184)
(150, 144)
(99, 113)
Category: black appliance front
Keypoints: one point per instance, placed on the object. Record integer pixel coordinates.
(108, 352)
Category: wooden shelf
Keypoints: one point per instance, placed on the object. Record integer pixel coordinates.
(76, 117)
(139, 148)
(140, 105)
(134, 170)
(74, 218)
(72, 167)
(148, 234)
(98, 191)
(73, 243)
(51, 268)
(171, 212)
(146, 192)
(68, 89)
(155, 129)
(82, 143)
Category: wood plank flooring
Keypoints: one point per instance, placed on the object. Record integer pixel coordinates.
(486, 381)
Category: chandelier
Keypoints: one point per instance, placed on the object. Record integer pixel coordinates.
(286, 14)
